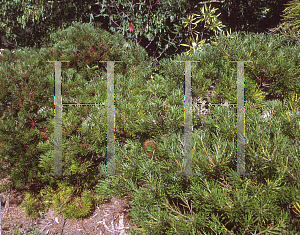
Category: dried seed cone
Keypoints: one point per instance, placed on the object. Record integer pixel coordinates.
(149, 147)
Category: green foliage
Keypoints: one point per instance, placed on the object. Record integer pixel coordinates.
(291, 13)
(38, 19)
(157, 26)
(83, 45)
(22, 125)
(150, 105)
(32, 206)
(21, 110)
(292, 20)
(78, 208)
(83, 41)
(210, 21)
(211, 201)
(166, 203)
(290, 117)
(269, 56)
(60, 200)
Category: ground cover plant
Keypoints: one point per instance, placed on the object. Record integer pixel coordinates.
(149, 105)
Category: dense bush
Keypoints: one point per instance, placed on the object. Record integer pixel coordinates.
(26, 88)
(150, 106)
(271, 58)
(211, 201)
(289, 29)
(26, 103)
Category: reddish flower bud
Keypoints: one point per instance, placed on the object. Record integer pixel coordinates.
(130, 27)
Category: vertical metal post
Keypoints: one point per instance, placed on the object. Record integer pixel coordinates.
(240, 119)
(110, 119)
(58, 121)
(188, 140)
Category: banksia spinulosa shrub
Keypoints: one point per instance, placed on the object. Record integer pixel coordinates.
(27, 114)
(83, 45)
(27, 86)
